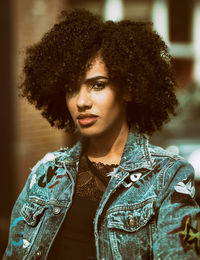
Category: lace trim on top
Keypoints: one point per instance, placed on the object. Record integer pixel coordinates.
(92, 179)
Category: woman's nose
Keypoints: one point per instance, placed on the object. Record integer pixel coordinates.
(83, 98)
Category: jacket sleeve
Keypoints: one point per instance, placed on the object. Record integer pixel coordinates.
(177, 233)
(27, 215)
(16, 242)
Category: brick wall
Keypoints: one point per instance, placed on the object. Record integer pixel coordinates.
(33, 135)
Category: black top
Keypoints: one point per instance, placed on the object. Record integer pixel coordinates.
(75, 239)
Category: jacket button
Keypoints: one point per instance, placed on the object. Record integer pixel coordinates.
(56, 210)
(38, 254)
(131, 222)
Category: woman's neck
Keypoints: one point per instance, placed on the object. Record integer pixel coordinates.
(108, 148)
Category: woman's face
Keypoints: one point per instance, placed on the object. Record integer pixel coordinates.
(96, 106)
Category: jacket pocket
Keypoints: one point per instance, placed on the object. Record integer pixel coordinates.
(130, 218)
(32, 213)
(129, 230)
(24, 229)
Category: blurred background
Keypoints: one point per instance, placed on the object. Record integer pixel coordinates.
(26, 136)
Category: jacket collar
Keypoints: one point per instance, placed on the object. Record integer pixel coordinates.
(135, 155)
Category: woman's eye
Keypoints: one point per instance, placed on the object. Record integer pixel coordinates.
(98, 85)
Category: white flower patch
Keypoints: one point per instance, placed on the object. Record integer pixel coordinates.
(185, 188)
(26, 243)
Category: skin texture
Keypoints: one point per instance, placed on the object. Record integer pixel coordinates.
(96, 95)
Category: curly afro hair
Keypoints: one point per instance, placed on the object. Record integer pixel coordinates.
(136, 58)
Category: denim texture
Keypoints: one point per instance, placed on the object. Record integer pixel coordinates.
(147, 211)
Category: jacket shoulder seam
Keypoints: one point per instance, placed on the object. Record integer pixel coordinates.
(175, 158)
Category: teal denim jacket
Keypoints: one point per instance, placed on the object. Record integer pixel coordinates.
(147, 211)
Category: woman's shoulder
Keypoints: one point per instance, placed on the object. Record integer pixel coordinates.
(45, 171)
(58, 157)
(174, 166)
(159, 152)
(50, 157)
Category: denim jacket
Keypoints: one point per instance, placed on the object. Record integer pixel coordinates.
(147, 210)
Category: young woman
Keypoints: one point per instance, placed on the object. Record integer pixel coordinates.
(112, 195)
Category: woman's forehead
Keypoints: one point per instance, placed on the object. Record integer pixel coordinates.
(97, 67)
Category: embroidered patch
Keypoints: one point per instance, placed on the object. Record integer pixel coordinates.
(26, 243)
(147, 176)
(48, 157)
(186, 187)
(14, 242)
(15, 221)
(56, 182)
(45, 179)
(135, 176)
(189, 236)
(50, 173)
(113, 173)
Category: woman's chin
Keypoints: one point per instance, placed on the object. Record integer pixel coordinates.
(90, 131)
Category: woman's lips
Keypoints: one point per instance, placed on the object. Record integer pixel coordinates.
(87, 121)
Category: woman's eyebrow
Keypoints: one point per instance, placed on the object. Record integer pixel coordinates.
(89, 80)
